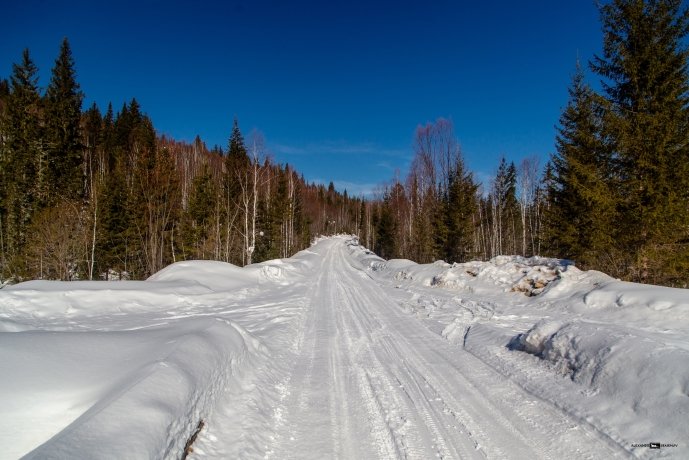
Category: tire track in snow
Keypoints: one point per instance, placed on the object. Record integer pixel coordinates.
(474, 393)
(319, 420)
(370, 381)
(430, 431)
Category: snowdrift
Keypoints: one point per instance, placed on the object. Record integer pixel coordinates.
(614, 353)
(121, 368)
(120, 394)
(128, 369)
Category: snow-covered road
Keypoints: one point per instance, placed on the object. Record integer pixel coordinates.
(337, 353)
(371, 381)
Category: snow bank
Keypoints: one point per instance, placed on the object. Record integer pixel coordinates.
(129, 368)
(120, 394)
(120, 369)
(529, 276)
(43, 299)
(217, 276)
(645, 379)
(624, 347)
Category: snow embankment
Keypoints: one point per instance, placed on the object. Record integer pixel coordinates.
(623, 347)
(628, 345)
(505, 274)
(119, 394)
(119, 369)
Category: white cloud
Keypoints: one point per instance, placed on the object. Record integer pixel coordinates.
(337, 148)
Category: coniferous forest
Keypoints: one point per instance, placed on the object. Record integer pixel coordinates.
(93, 194)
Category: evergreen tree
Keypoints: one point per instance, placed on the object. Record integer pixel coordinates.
(582, 205)
(235, 184)
(386, 228)
(107, 139)
(23, 153)
(93, 143)
(644, 67)
(114, 241)
(461, 208)
(439, 225)
(198, 223)
(5, 177)
(505, 208)
(63, 115)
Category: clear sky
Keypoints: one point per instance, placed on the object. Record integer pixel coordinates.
(336, 87)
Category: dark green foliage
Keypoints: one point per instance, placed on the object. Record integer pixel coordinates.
(237, 161)
(62, 120)
(619, 200)
(386, 228)
(199, 221)
(114, 242)
(505, 186)
(23, 153)
(644, 67)
(85, 196)
(505, 209)
(582, 196)
(461, 206)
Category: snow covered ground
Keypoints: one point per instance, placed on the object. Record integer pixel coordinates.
(336, 353)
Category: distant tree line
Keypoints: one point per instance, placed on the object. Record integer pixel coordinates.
(614, 196)
(441, 212)
(86, 195)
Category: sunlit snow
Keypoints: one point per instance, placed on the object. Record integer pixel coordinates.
(338, 353)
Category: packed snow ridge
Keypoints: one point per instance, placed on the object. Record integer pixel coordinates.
(337, 353)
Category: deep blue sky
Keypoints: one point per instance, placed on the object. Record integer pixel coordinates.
(336, 88)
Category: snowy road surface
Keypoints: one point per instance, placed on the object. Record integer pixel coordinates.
(372, 382)
(336, 353)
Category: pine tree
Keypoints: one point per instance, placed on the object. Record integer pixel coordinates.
(582, 201)
(644, 67)
(63, 115)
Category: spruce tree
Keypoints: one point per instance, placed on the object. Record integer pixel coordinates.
(460, 211)
(23, 153)
(4, 174)
(235, 182)
(236, 163)
(505, 208)
(386, 228)
(644, 70)
(63, 115)
(198, 221)
(582, 200)
(114, 241)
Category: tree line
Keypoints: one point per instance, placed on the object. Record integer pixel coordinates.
(87, 195)
(613, 197)
(441, 212)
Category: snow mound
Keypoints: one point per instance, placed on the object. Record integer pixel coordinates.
(273, 272)
(212, 274)
(43, 299)
(507, 274)
(81, 388)
(626, 366)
